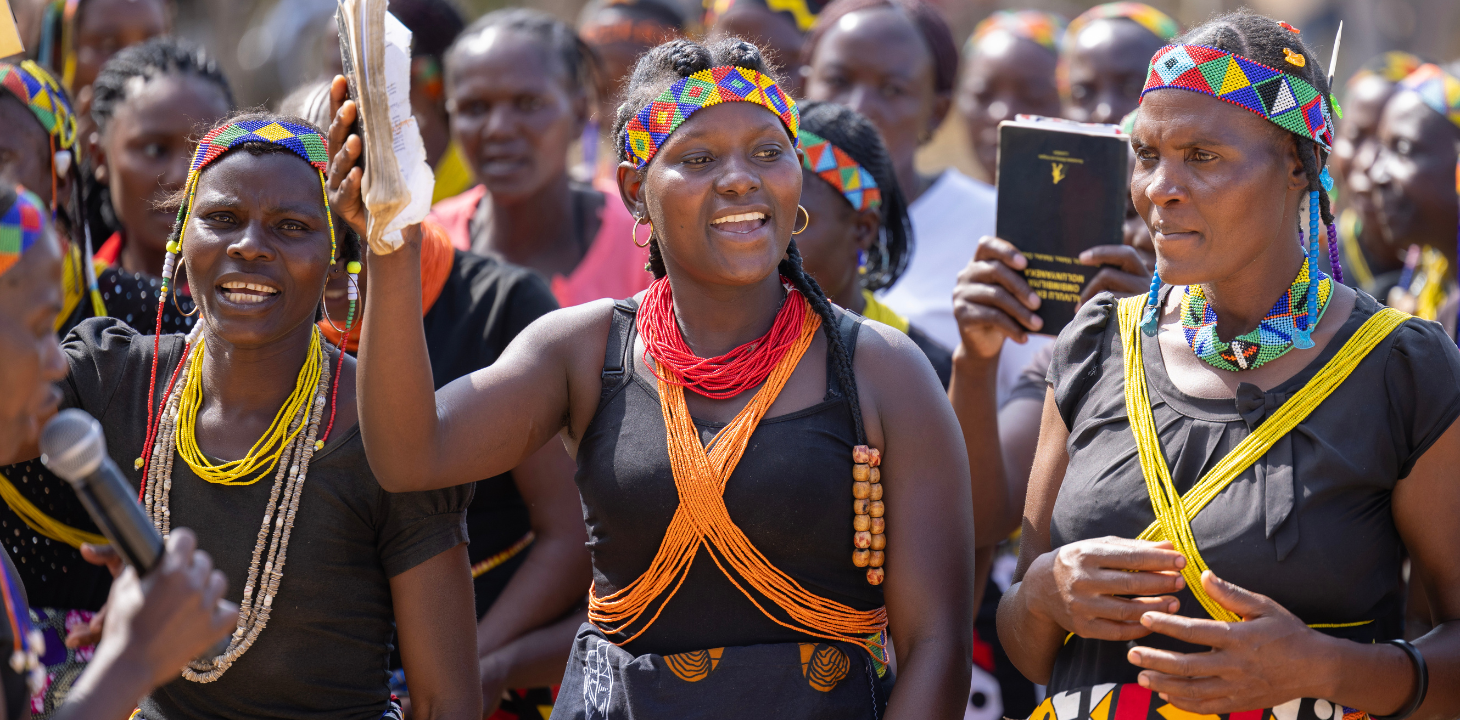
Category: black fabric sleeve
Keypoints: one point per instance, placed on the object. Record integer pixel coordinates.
(1033, 380)
(528, 299)
(940, 357)
(421, 525)
(98, 352)
(1078, 353)
(1423, 378)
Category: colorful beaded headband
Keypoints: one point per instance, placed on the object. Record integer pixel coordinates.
(40, 92)
(302, 140)
(832, 164)
(1438, 89)
(1042, 28)
(1393, 66)
(20, 227)
(1160, 24)
(650, 127)
(1285, 100)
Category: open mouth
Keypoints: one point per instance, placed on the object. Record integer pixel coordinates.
(246, 293)
(740, 223)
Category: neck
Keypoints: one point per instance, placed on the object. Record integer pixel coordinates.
(242, 382)
(716, 319)
(1242, 300)
(536, 231)
(850, 297)
(908, 178)
(138, 257)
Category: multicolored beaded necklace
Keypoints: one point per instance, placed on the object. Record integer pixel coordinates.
(1272, 337)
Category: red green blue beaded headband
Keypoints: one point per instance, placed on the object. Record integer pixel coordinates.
(42, 95)
(302, 140)
(648, 130)
(1438, 89)
(1287, 101)
(20, 227)
(832, 164)
(1160, 24)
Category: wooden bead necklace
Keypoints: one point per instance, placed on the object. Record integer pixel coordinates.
(261, 587)
(868, 524)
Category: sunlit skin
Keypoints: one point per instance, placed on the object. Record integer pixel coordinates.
(1219, 188)
(725, 160)
(1414, 175)
(30, 299)
(1355, 148)
(875, 62)
(143, 159)
(1106, 68)
(1006, 75)
(25, 150)
(617, 55)
(831, 241)
(774, 33)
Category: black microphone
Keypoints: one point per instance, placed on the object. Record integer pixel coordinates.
(73, 447)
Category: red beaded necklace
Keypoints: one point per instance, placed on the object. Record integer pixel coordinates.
(720, 377)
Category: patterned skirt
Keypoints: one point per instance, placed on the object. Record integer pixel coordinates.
(1133, 702)
(63, 664)
(794, 681)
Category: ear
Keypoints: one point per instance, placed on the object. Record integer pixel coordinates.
(631, 189)
(866, 225)
(942, 102)
(1297, 175)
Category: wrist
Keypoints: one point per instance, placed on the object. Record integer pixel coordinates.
(1031, 589)
(1377, 678)
(968, 360)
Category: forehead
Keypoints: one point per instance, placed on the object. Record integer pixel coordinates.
(1184, 116)
(172, 103)
(728, 124)
(1115, 43)
(22, 130)
(272, 181)
(503, 57)
(897, 44)
(1407, 115)
(1002, 54)
(114, 17)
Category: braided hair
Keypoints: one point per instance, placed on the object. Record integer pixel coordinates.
(1262, 39)
(656, 71)
(858, 137)
(577, 61)
(120, 79)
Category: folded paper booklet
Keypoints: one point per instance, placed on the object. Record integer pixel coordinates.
(376, 51)
(1063, 188)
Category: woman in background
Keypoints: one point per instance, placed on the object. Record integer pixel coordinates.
(1104, 57)
(519, 86)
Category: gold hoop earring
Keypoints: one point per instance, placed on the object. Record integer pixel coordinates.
(634, 231)
(808, 221)
(173, 290)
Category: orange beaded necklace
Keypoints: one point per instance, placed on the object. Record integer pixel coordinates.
(702, 519)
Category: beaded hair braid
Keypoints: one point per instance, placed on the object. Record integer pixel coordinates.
(1274, 56)
(663, 67)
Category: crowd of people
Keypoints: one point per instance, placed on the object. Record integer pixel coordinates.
(800, 444)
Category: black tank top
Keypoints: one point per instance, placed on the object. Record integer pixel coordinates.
(791, 494)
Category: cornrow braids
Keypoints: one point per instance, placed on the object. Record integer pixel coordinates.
(578, 61)
(855, 135)
(661, 67)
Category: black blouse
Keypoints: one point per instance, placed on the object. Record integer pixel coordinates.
(1308, 525)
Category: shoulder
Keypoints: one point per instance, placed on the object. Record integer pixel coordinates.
(882, 349)
(1075, 364)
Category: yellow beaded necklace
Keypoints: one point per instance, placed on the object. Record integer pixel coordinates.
(263, 457)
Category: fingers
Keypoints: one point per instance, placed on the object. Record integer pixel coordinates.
(1119, 283)
(995, 284)
(1103, 629)
(992, 248)
(1167, 662)
(1125, 610)
(102, 555)
(1242, 601)
(1197, 631)
(1203, 695)
(1122, 257)
(343, 164)
(1124, 554)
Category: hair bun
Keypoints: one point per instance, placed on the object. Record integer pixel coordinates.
(743, 54)
(687, 57)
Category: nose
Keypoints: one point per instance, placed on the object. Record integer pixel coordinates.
(737, 178)
(176, 173)
(501, 122)
(1163, 186)
(859, 98)
(1377, 170)
(1365, 160)
(999, 110)
(53, 363)
(252, 244)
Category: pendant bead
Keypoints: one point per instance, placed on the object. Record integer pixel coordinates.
(874, 475)
(879, 542)
(861, 455)
(861, 472)
(861, 558)
(860, 506)
(876, 492)
(878, 558)
(861, 523)
(875, 576)
(879, 525)
(864, 539)
(861, 490)
(876, 509)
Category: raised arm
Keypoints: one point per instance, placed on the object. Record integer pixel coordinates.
(480, 425)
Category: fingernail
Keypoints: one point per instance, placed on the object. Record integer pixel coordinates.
(1020, 261)
(1036, 322)
(1181, 562)
(1141, 679)
(1085, 257)
(1034, 301)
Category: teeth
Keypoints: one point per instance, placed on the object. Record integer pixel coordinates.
(743, 217)
(245, 298)
(249, 286)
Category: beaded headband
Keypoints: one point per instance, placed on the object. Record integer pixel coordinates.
(1160, 24)
(1042, 28)
(1393, 66)
(1285, 100)
(1438, 89)
(648, 130)
(832, 164)
(302, 140)
(20, 227)
(40, 92)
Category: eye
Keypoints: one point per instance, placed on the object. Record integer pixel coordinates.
(1145, 153)
(893, 90)
(221, 218)
(153, 150)
(1079, 92)
(697, 160)
(293, 226)
(769, 153)
(528, 103)
(1199, 155)
(1403, 146)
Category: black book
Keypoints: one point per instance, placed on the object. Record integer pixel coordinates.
(1063, 188)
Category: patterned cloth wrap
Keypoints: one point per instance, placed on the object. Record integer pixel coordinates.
(1133, 702)
(1285, 100)
(832, 164)
(1160, 24)
(20, 227)
(1438, 89)
(1046, 30)
(32, 85)
(651, 127)
(63, 664)
(802, 680)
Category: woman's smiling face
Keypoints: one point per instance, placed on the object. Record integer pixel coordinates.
(722, 194)
(257, 248)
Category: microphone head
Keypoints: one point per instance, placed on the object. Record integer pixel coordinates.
(72, 445)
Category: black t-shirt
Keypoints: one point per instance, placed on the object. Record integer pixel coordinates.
(325, 651)
(483, 306)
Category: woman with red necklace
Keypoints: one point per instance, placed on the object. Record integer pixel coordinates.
(778, 557)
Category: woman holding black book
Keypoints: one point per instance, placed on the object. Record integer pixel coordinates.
(1231, 467)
